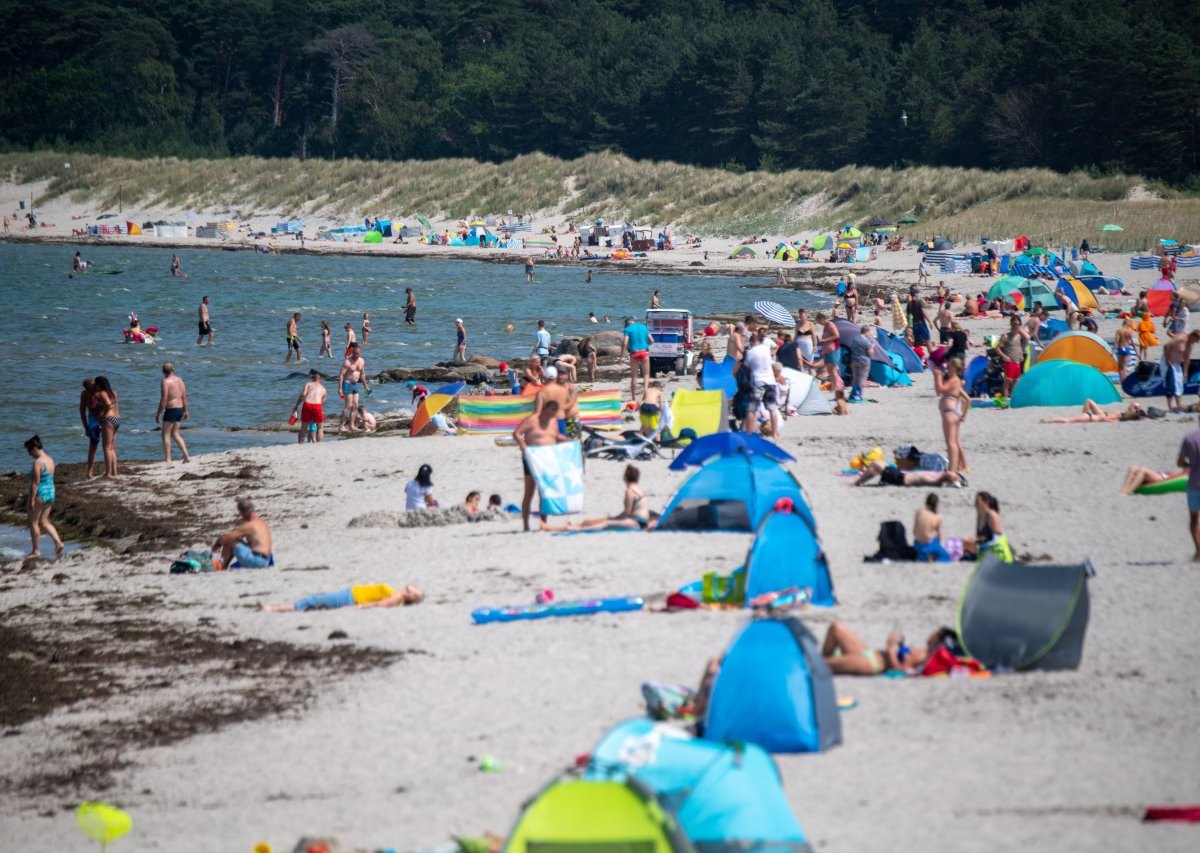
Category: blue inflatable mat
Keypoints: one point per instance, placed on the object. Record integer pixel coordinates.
(582, 607)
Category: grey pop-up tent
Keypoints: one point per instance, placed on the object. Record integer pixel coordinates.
(1022, 616)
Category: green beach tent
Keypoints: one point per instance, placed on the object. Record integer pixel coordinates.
(1111, 227)
(1031, 289)
(1063, 383)
(906, 220)
(372, 237)
(743, 252)
(822, 241)
(851, 232)
(585, 816)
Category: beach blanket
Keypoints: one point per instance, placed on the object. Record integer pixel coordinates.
(597, 409)
(557, 470)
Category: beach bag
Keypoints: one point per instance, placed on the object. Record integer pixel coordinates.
(193, 562)
(893, 544)
(668, 701)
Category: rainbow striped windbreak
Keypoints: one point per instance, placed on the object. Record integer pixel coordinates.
(502, 414)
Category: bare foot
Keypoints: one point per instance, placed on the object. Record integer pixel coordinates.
(58, 550)
(187, 459)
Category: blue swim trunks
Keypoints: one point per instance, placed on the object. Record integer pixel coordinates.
(93, 429)
(1193, 500)
(249, 559)
(349, 388)
(931, 552)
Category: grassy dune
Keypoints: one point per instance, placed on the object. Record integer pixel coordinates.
(960, 203)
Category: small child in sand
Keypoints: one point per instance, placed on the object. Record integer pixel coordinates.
(362, 595)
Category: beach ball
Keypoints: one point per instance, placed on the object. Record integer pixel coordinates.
(509, 327)
(102, 823)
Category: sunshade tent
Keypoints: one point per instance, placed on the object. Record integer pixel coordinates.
(372, 237)
(1078, 292)
(851, 232)
(586, 814)
(434, 403)
(1030, 289)
(1063, 383)
(804, 394)
(848, 331)
(1022, 617)
(891, 373)
(1163, 284)
(774, 690)
(775, 313)
(718, 376)
(743, 252)
(727, 444)
(906, 220)
(1111, 227)
(1082, 348)
(730, 494)
(724, 797)
(894, 344)
(941, 244)
(702, 412)
(786, 252)
(786, 554)
(822, 241)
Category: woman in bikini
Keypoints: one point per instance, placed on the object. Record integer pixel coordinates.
(846, 653)
(326, 340)
(953, 405)
(108, 412)
(1092, 413)
(1139, 475)
(633, 516)
(806, 340)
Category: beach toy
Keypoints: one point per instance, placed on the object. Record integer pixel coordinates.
(102, 823)
(489, 764)
(261, 847)
(545, 596)
(582, 607)
(846, 703)
(509, 327)
(1166, 487)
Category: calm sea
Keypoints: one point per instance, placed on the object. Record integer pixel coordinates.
(55, 330)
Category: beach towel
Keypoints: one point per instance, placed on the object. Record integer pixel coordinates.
(557, 469)
(1172, 376)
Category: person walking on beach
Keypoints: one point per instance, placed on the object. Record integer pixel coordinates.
(311, 404)
(326, 341)
(637, 343)
(108, 413)
(529, 270)
(953, 405)
(831, 343)
(410, 307)
(249, 542)
(350, 339)
(205, 324)
(922, 272)
(735, 348)
(41, 499)
(352, 381)
(1189, 460)
(1012, 348)
(541, 345)
(366, 328)
(293, 339)
(1176, 355)
(172, 410)
(460, 343)
(91, 424)
(655, 302)
(538, 430)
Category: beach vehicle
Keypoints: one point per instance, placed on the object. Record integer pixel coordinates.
(672, 347)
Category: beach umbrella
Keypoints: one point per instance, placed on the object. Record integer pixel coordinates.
(906, 220)
(776, 313)
(851, 231)
(433, 404)
(886, 229)
(844, 246)
(722, 444)
(876, 223)
(424, 222)
(1111, 227)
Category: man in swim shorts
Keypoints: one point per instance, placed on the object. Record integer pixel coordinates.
(293, 339)
(205, 325)
(91, 424)
(1176, 355)
(311, 404)
(1189, 460)
(1012, 348)
(1123, 348)
(541, 346)
(410, 307)
(890, 475)
(637, 343)
(352, 381)
(650, 409)
(172, 410)
(249, 542)
(538, 430)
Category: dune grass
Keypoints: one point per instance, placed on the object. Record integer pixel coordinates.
(960, 203)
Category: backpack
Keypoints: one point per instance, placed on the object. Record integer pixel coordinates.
(193, 562)
(893, 544)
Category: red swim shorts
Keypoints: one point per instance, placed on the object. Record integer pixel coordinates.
(312, 413)
(639, 355)
(1012, 369)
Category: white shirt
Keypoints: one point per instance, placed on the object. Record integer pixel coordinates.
(758, 359)
(543, 342)
(415, 494)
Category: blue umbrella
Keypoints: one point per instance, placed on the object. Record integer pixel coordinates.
(727, 444)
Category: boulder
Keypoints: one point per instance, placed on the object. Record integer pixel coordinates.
(485, 361)
(608, 338)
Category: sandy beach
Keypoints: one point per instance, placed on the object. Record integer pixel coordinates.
(218, 726)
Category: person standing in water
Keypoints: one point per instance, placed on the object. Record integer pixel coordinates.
(311, 404)
(176, 268)
(205, 324)
(410, 307)
(366, 328)
(460, 344)
(326, 340)
(172, 410)
(655, 301)
(41, 499)
(293, 339)
(529, 270)
(350, 340)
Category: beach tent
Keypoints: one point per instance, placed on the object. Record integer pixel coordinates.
(722, 444)
(384, 227)
(906, 220)
(973, 377)
(851, 232)
(703, 412)
(1159, 301)
(1030, 289)
(894, 344)
(1083, 348)
(786, 252)
(372, 237)
(804, 393)
(941, 244)
(848, 331)
(1146, 380)
(596, 815)
(432, 404)
(876, 223)
(718, 376)
(891, 374)
(724, 797)
(1051, 329)
(822, 241)
(132, 228)
(1063, 383)
(786, 554)
(1020, 616)
(862, 254)
(1163, 284)
(743, 252)
(1078, 292)
(774, 690)
(730, 494)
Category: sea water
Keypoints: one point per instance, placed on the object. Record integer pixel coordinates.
(56, 330)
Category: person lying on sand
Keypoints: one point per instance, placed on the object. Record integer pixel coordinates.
(249, 542)
(633, 515)
(1092, 413)
(360, 595)
(846, 653)
(889, 475)
(1139, 475)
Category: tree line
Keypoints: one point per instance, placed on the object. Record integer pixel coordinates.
(1111, 85)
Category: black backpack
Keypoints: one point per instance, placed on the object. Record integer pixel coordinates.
(893, 544)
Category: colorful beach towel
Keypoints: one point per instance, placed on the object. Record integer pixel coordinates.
(597, 409)
(558, 472)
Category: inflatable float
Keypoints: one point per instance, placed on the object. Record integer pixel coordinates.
(1171, 485)
(582, 607)
(135, 334)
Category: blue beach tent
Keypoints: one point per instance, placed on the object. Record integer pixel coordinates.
(973, 376)
(895, 345)
(774, 690)
(787, 554)
(725, 797)
(718, 376)
(1063, 383)
(732, 493)
(890, 375)
(721, 444)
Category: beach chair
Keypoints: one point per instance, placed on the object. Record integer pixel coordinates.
(632, 445)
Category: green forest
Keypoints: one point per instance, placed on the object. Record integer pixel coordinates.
(1106, 85)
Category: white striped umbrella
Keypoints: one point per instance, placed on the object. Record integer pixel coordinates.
(775, 313)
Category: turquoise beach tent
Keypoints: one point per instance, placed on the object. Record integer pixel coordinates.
(732, 493)
(894, 344)
(1063, 383)
(725, 797)
(786, 554)
(890, 375)
(774, 690)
